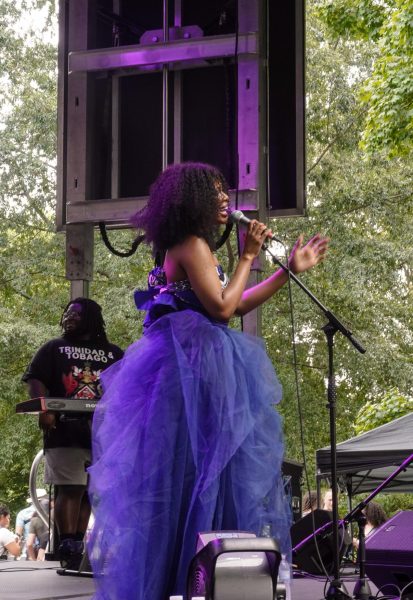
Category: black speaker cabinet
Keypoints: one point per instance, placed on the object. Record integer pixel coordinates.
(389, 556)
(313, 550)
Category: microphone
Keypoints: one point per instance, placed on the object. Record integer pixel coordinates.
(237, 216)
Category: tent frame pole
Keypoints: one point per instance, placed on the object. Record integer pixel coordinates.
(379, 488)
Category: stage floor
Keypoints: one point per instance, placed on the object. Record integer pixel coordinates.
(25, 580)
(29, 580)
(306, 588)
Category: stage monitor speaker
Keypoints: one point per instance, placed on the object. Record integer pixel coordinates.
(389, 556)
(305, 543)
(233, 565)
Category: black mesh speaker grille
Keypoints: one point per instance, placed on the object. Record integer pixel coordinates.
(199, 581)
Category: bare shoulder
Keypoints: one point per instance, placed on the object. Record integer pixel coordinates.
(188, 259)
(194, 259)
(193, 248)
(193, 242)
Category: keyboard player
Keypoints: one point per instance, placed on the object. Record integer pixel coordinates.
(70, 367)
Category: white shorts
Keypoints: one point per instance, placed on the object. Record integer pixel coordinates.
(66, 466)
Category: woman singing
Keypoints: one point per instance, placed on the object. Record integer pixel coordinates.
(186, 437)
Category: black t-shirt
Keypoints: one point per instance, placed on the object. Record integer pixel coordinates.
(71, 369)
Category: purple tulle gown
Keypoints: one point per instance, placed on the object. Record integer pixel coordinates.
(185, 439)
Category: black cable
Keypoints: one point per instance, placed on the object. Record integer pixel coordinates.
(300, 413)
(405, 588)
(299, 404)
(386, 585)
(221, 241)
(135, 244)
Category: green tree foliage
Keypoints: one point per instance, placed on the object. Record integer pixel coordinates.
(33, 288)
(363, 19)
(388, 93)
(28, 249)
(364, 206)
(384, 409)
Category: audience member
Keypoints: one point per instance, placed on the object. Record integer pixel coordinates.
(23, 520)
(8, 540)
(310, 502)
(375, 517)
(38, 535)
(328, 500)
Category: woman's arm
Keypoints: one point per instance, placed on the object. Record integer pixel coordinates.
(196, 259)
(302, 258)
(13, 548)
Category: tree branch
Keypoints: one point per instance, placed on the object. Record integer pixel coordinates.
(334, 140)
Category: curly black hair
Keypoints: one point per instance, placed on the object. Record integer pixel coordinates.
(92, 320)
(375, 514)
(182, 202)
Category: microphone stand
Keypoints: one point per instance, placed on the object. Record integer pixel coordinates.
(362, 589)
(337, 590)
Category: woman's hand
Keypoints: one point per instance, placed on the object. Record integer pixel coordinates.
(304, 257)
(256, 236)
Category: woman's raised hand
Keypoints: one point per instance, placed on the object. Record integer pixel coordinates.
(305, 256)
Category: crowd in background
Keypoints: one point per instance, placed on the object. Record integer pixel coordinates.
(30, 538)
